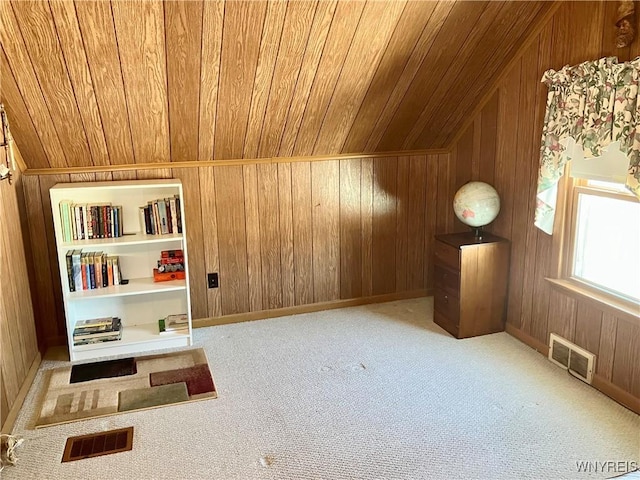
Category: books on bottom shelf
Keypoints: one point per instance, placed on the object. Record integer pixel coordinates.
(174, 324)
(97, 330)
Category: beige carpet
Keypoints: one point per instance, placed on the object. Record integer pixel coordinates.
(372, 392)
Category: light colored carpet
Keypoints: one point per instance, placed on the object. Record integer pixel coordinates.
(371, 392)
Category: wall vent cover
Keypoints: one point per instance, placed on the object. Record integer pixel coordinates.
(579, 362)
(96, 444)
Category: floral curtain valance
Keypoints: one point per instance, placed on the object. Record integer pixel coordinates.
(595, 106)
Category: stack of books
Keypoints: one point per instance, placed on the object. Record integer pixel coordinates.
(161, 216)
(97, 330)
(174, 324)
(170, 266)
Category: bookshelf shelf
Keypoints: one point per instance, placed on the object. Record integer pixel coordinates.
(127, 239)
(139, 303)
(136, 286)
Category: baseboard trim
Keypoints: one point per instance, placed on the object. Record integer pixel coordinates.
(527, 339)
(599, 382)
(313, 307)
(7, 427)
(617, 393)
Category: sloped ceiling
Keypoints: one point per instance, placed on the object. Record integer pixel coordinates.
(105, 83)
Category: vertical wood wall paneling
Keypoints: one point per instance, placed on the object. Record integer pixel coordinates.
(487, 150)
(465, 54)
(22, 127)
(43, 47)
(183, 36)
(626, 362)
(302, 232)
(95, 20)
(402, 227)
(367, 181)
(263, 82)
(343, 28)
(68, 31)
(15, 50)
(441, 55)
(523, 234)
(254, 263)
(416, 60)
(608, 335)
(397, 54)
(588, 327)
(434, 211)
(237, 72)
(285, 204)
(141, 45)
(195, 239)
(350, 229)
(44, 300)
(325, 188)
(416, 222)
(270, 248)
(297, 26)
(314, 50)
(232, 242)
(46, 182)
(361, 63)
(462, 168)
(212, 23)
(562, 315)
(210, 235)
(385, 172)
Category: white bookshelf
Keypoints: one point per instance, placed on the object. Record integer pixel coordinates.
(141, 302)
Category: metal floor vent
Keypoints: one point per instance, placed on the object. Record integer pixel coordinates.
(576, 360)
(96, 444)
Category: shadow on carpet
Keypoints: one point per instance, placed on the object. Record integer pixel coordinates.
(105, 388)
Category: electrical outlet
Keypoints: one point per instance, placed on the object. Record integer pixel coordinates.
(212, 280)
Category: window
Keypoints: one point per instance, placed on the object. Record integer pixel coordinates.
(604, 239)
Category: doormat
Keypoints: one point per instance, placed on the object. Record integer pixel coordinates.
(146, 382)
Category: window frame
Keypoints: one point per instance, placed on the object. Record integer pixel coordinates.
(564, 232)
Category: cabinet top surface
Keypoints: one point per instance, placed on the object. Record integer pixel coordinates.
(114, 184)
(464, 239)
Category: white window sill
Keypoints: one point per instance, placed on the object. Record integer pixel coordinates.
(607, 303)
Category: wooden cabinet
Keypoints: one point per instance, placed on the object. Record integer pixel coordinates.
(141, 302)
(470, 279)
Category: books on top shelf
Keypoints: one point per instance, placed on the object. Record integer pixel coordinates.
(90, 221)
(161, 216)
(178, 323)
(97, 330)
(91, 270)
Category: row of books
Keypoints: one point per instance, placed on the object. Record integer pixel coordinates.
(88, 222)
(174, 324)
(90, 270)
(97, 330)
(161, 216)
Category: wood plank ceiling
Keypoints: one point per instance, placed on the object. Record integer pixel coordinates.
(106, 83)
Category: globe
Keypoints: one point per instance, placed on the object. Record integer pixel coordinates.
(476, 204)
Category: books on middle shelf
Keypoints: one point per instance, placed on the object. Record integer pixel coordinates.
(97, 330)
(91, 270)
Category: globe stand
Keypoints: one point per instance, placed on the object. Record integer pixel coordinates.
(477, 233)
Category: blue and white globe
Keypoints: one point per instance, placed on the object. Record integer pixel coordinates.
(476, 204)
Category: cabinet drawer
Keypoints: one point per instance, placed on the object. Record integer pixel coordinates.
(447, 304)
(447, 255)
(446, 323)
(446, 279)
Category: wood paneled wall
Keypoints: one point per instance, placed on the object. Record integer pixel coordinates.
(281, 234)
(501, 147)
(93, 83)
(18, 344)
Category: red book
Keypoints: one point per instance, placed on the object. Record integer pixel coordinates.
(169, 261)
